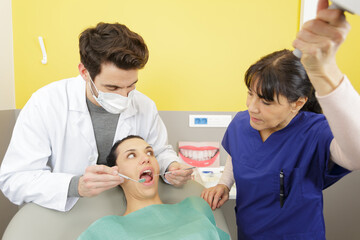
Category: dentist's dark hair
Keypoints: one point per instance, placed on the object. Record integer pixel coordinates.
(112, 43)
(111, 158)
(282, 73)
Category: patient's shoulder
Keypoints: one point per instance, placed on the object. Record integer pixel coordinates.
(109, 218)
(195, 200)
(200, 205)
(103, 228)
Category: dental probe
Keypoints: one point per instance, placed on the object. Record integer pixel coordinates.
(176, 170)
(129, 178)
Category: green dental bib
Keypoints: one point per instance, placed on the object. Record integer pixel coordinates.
(190, 219)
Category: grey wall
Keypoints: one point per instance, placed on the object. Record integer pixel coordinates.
(342, 208)
(7, 209)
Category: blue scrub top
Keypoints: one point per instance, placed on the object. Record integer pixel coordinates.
(302, 151)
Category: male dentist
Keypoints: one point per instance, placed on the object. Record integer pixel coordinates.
(66, 129)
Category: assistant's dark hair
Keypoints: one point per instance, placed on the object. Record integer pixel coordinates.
(282, 73)
(112, 43)
(111, 158)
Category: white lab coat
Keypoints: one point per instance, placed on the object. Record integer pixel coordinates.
(53, 140)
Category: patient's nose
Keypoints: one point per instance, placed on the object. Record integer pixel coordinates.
(145, 159)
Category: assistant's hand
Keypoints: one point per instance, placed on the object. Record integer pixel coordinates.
(216, 196)
(98, 178)
(178, 177)
(319, 40)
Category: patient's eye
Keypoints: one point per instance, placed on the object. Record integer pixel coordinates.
(131, 155)
(150, 153)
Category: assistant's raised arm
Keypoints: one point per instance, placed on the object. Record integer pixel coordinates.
(318, 40)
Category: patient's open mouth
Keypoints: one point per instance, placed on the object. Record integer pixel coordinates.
(199, 156)
(147, 175)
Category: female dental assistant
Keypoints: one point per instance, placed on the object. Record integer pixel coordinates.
(283, 154)
(64, 132)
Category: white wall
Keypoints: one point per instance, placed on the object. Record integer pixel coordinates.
(7, 84)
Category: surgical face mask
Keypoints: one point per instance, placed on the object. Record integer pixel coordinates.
(111, 102)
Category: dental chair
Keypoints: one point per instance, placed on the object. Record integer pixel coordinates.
(35, 222)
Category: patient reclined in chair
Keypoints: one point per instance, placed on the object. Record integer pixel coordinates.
(146, 217)
(35, 222)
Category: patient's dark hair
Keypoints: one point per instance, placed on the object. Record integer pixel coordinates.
(282, 73)
(112, 43)
(111, 158)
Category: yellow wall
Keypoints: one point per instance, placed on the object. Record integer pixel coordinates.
(349, 52)
(199, 49)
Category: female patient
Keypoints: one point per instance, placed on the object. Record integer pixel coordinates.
(146, 217)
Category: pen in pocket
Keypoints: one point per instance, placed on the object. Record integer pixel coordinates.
(282, 189)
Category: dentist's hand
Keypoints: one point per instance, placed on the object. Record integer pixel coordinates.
(178, 177)
(319, 40)
(98, 178)
(216, 196)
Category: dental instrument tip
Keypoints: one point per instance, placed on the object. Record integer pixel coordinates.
(178, 169)
(129, 178)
